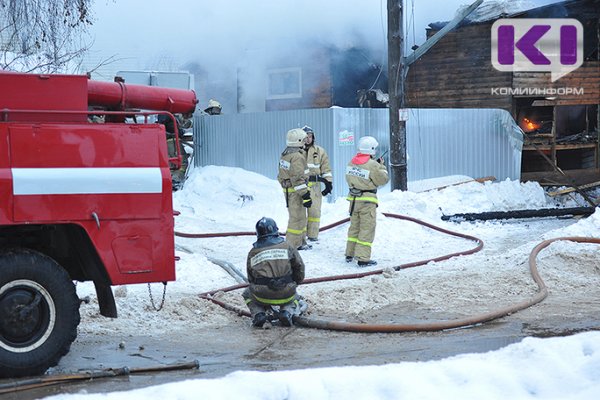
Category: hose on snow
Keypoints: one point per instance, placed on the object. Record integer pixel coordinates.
(540, 295)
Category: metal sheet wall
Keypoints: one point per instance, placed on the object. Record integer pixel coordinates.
(253, 141)
(440, 142)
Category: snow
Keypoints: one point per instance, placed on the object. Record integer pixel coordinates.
(491, 9)
(532, 369)
(224, 199)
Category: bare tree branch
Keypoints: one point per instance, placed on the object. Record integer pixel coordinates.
(43, 35)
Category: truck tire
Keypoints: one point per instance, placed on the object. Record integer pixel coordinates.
(39, 313)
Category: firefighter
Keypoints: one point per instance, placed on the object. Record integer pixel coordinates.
(214, 108)
(293, 178)
(317, 161)
(274, 270)
(184, 121)
(364, 175)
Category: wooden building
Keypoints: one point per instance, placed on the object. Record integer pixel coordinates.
(561, 128)
(323, 78)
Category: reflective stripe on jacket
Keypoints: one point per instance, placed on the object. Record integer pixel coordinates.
(272, 262)
(318, 162)
(293, 172)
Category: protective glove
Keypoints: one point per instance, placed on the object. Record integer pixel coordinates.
(306, 200)
(328, 188)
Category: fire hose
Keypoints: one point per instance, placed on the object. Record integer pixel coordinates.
(540, 295)
(50, 380)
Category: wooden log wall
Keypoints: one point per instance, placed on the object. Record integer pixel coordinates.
(457, 73)
(586, 77)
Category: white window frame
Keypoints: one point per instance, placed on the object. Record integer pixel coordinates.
(290, 95)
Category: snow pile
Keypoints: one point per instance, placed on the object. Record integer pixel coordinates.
(493, 9)
(558, 368)
(468, 198)
(213, 195)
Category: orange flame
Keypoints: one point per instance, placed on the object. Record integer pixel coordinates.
(530, 125)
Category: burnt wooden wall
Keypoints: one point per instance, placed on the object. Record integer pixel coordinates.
(457, 73)
(587, 77)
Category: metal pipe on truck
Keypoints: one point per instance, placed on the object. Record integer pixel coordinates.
(121, 96)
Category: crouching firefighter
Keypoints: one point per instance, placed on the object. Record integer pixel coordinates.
(274, 270)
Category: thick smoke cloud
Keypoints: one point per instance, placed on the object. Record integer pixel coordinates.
(227, 44)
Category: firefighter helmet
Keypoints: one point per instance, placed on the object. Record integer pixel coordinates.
(266, 227)
(367, 145)
(295, 137)
(309, 130)
(214, 107)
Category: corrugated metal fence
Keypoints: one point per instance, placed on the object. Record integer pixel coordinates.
(440, 142)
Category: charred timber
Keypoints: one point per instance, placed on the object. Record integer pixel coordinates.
(544, 212)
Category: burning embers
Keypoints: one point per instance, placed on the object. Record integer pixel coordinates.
(536, 120)
(529, 125)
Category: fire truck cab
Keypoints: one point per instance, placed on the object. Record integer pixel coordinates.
(80, 200)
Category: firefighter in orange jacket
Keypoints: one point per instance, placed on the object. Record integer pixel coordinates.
(293, 178)
(364, 175)
(317, 161)
(274, 270)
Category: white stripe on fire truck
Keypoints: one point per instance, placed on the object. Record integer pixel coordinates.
(42, 181)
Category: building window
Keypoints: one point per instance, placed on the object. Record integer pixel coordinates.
(284, 83)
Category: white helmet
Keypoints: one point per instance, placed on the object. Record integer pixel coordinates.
(214, 107)
(295, 137)
(367, 145)
(213, 103)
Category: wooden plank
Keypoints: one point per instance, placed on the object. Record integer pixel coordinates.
(572, 189)
(480, 180)
(553, 178)
(441, 33)
(572, 146)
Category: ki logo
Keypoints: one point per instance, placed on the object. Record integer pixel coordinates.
(537, 45)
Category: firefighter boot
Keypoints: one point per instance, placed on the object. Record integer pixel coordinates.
(367, 263)
(285, 318)
(259, 320)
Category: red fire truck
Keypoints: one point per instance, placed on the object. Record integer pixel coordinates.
(79, 201)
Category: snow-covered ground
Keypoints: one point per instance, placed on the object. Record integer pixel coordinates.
(222, 199)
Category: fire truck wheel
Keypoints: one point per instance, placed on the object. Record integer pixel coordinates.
(39, 313)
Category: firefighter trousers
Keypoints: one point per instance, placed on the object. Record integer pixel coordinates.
(294, 307)
(178, 175)
(362, 230)
(314, 212)
(296, 229)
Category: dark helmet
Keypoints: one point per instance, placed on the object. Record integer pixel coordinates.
(266, 227)
(308, 130)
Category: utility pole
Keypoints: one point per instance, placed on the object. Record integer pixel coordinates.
(396, 74)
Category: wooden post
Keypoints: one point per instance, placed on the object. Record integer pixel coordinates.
(396, 93)
(553, 139)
